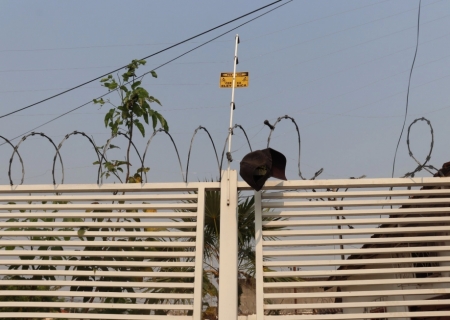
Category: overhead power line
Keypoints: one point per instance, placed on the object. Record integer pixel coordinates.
(179, 56)
(145, 58)
(409, 85)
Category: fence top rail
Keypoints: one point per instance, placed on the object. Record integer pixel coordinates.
(110, 187)
(350, 183)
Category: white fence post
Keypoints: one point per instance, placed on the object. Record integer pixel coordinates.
(228, 278)
(198, 286)
(259, 258)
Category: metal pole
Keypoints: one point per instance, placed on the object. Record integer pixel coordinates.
(228, 276)
(230, 129)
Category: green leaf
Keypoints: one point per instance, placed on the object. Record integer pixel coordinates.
(124, 88)
(162, 120)
(140, 127)
(154, 75)
(153, 99)
(145, 115)
(155, 120)
(145, 169)
(136, 84)
(81, 232)
(109, 116)
(111, 146)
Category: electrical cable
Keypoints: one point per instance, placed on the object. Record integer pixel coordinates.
(153, 69)
(165, 43)
(220, 35)
(145, 58)
(339, 31)
(407, 94)
(289, 68)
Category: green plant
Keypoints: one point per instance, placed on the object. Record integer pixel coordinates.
(134, 106)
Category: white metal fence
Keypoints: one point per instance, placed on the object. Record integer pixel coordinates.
(354, 249)
(337, 249)
(101, 252)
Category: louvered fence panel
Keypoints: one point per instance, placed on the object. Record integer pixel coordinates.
(353, 249)
(101, 252)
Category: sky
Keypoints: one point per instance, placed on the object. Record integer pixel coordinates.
(339, 68)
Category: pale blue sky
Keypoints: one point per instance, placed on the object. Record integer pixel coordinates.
(340, 68)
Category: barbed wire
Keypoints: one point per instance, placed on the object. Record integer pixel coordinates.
(101, 152)
(10, 161)
(272, 128)
(421, 166)
(17, 147)
(190, 148)
(99, 155)
(176, 150)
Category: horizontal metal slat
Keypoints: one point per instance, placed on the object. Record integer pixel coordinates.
(114, 284)
(114, 263)
(355, 194)
(325, 242)
(116, 234)
(125, 244)
(331, 305)
(416, 220)
(100, 206)
(67, 305)
(354, 251)
(101, 197)
(61, 293)
(110, 187)
(369, 231)
(371, 293)
(88, 316)
(319, 284)
(354, 203)
(358, 212)
(67, 253)
(354, 262)
(121, 274)
(351, 183)
(97, 224)
(354, 316)
(351, 272)
(91, 214)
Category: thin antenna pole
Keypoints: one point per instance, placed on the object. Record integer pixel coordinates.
(232, 106)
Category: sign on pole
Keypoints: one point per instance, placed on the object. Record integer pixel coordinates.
(226, 80)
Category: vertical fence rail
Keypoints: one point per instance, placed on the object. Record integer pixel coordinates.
(198, 286)
(259, 257)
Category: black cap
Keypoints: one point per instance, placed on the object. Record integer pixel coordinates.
(260, 165)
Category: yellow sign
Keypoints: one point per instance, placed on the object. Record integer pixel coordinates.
(226, 80)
